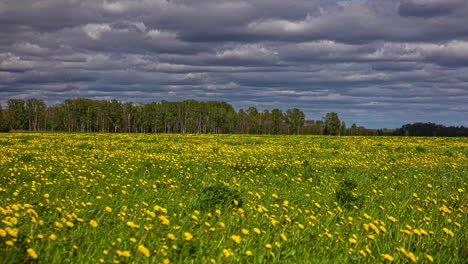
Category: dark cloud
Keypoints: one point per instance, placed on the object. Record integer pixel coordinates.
(380, 63)
(428, 8)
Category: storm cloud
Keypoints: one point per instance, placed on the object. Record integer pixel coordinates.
(378, 63)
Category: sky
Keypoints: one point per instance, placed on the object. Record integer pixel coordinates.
(377, 63)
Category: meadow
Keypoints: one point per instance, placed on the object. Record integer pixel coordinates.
(171, 198)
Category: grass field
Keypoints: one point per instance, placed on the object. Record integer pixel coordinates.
(134, 198)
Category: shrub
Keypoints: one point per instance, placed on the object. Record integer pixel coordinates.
(218, 196)
(346, 196)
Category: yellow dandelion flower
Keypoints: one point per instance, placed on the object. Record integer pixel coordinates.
(188, 236)
(274, 222)
(164, 220)
(257, 231)
(283, 237)
(171, 236)
(248, 253)
(245, 231)
(392, 219)
(32, 253)
(124, 253)
(269, 246)
(227, 253)
(352, 241)
(448, 232)
(236, 238)
(108, 209)
(132, 225)
(412, 257)
(430, 258)
(143, 250)
(93, 223)
(387, 257)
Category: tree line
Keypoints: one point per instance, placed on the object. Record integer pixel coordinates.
(190, 116)
(431, 130)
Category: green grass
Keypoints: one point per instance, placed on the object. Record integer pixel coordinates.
(324, 195)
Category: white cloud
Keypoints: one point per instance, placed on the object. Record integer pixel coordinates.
(95, 31)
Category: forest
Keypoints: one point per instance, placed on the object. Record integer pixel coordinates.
(190, 116)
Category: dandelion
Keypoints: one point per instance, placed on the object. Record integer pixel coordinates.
(93, 223)
(430, 258)
(257, 231)
(387, 257)
(188, 236)
(245, 232)
(236, 238)
(108, 209)
(352, 241)
(283, 237)
(448, 231)
(143, 250)
(32, 253)
(248, 253)
(227, 253)
(164, 220)
(123, 253)
(171, 236)
(132, 225)
(392, 219)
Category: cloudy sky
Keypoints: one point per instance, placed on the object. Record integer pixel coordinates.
(379, 63)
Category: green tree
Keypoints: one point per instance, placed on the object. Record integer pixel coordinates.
(254, 120)
(4, 126)
(343, 130)
(353, 131)
(36, 111)
(277, 118)
(17, 110)
(295, 119)
(331, 124)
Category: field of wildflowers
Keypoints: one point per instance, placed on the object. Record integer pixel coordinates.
(166, 198)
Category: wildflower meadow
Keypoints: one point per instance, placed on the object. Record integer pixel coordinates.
(191, 198)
